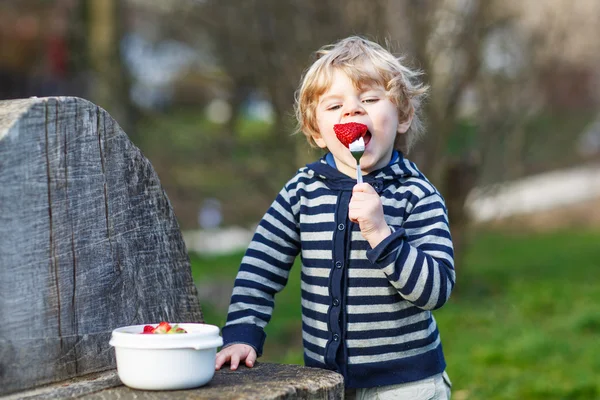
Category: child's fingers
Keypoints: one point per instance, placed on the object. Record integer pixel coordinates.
(221, 359)
(235, 361)
(251, 359)
(363, 188)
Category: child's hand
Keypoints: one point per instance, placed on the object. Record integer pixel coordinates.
(366, 209)
(235, 354)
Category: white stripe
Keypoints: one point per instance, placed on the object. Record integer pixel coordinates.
(313, 339)
(249, 276)
(314, 356)
(251, 292)
(407, 268)
(439, 255)
(317, 236)
(251, 319)
(284, 212)
(365, 273)
(358, 254)
(381, 308)
(421, 281)
(388, 324)
(241, 306)
(317, 307)
(262, 248)
(257, 262)
(320, 290)
(431, 239)
(393, 356)
(435, 290)
(317, 254)
(318, 272)
(371, 291)
(357, 237)
(317, 218)
(393, 340)
(427, 214)
(311, 187)
(293, 235)
(313, 323)
(322, 200)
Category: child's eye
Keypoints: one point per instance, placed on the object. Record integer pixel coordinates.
(371, 100)
(334, 107)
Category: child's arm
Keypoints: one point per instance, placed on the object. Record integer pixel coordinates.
(263, 272)
(417, 257)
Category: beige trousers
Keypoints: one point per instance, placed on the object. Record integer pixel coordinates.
(435, 388)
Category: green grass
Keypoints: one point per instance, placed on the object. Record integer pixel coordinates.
(523, 322)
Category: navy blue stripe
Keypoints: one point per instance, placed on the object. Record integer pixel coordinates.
(314, 314)
(424, 222)
(373, 300)
(390, 348)
(246, 313)
(315, 280)
(316, 263)
(315, 332)
(261, 301)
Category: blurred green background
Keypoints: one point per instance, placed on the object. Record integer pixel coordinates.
(205, 89)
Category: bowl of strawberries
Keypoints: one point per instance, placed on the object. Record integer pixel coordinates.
(166, 356)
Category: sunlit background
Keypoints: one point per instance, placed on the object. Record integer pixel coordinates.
(205, 89)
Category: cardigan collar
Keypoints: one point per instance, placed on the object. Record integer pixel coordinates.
(334, 179)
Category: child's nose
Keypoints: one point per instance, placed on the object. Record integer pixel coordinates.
(353, 109)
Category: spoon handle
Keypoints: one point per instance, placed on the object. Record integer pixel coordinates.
(359, 178)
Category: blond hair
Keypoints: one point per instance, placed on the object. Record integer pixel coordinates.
(365, 63)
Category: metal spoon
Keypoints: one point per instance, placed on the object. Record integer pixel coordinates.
(357, 148)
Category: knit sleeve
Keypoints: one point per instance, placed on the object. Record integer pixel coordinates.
(263, 272)
(418, 257)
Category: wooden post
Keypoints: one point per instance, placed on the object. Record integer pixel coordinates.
(88, 242)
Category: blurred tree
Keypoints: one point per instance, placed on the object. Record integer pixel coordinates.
(484, 67)
(110, 83)
(264, 45)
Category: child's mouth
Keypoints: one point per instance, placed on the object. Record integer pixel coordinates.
(367, 138)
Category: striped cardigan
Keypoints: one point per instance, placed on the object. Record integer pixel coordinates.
(366, 313)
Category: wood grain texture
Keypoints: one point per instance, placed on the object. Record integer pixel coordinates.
(264, 381)
(88, 242)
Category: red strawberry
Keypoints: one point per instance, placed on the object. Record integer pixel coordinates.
(177, 329)
(148, 329)
(348, 133)
(163, 327)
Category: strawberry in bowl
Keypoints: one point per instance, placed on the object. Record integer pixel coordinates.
(167, 356)
(163, 327)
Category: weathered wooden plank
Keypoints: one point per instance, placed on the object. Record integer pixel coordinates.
(263, 382)
(88, 242)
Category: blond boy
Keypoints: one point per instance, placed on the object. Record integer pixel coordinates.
(377, 257)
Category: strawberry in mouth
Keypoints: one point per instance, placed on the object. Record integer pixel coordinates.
(351, 131)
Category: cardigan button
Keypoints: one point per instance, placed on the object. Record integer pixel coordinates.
(339, 264)
(336, 337)
(336, 302)
(341, 227)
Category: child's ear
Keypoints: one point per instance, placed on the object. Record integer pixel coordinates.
(404, 125)
(319, 140)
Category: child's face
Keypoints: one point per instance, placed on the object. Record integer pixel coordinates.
(343, 103)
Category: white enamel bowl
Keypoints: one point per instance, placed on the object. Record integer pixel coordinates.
(166, 361)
